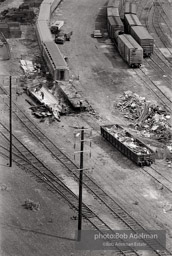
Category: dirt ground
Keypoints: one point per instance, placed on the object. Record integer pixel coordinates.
(103, 77)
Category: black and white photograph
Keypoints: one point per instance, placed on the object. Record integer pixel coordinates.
(85, 127)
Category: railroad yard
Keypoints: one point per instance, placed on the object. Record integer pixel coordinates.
(94, 88)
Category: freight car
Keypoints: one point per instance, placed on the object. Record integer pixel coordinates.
(144, 39)
(129, 21)
(129, 8)
(113, 3)
(130, 50)
(114, 24)
(128, 145)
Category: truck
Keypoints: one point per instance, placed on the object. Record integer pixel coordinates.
(56, 26)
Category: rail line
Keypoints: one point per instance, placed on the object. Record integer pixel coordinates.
(151, 26)
(157, 176)
(154, 88)
(156, 24)
(89, 184)
(27, 160)
(162, 69)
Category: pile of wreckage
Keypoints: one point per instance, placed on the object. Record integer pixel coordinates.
(126, 139)
(151, 120)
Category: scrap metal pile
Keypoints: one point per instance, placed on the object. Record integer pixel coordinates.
(152, 120)
(130, 142)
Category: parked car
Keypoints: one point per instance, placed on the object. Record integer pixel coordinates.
(97, 33)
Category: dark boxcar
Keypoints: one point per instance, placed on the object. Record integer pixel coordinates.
(128, 145)
(114, 24)
(129, 21)
(142, 36)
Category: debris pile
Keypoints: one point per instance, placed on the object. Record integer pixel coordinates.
(152, 120)
(29, 68)
(31, 205)
(41, 111)
(124, 137)
(21, 14)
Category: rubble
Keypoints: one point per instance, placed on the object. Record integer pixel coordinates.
(150, 119)
(28, 67)
(31, 205)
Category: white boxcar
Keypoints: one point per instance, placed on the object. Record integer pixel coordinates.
(130, 50)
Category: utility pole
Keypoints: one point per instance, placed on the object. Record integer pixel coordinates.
(81, 169)
(80, 184)
(10, 120)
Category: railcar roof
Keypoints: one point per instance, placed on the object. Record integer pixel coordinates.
(142, 32)
(44, 12)
(55, 55)
(133, 19)
(129, 41)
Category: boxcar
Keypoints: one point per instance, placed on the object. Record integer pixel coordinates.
(130, 50)
(112, 11)
(142, 36)
(110, 3)
(115, 12)
(109, 12)
(129, 8)
(129, 21)
(128, 145)
(114, 24)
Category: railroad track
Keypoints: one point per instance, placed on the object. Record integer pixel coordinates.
(118, 212)
(156, 63)
(154, 88)
(146, 14)
(158, 177)
(28, 161)
(157, 11)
